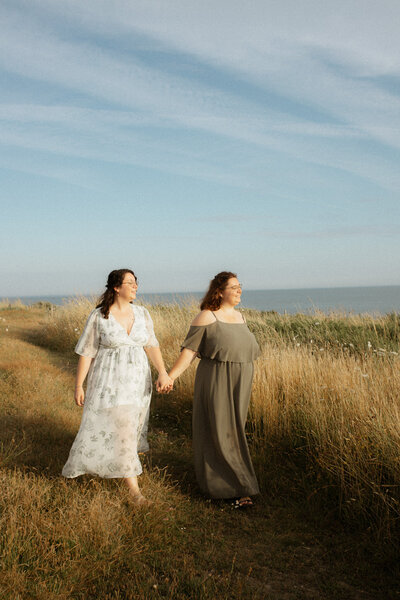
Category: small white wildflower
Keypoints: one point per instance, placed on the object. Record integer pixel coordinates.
(351, 345)
(393, 352)
(6, 328)
(321, 349)
(369, 344)
(382, 349)
(311, 341)
(316, 323)
(298, 344)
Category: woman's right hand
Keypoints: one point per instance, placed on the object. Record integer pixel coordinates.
(79, 396)
(167, 387)
(170, 387)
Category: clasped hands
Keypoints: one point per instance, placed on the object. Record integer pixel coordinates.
(164, 383)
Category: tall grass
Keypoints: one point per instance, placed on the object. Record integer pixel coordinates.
(64, 324)
(337, 332)
(326, 388)
(342, 413)
(83, 539)
(326, 418)
(5, 303)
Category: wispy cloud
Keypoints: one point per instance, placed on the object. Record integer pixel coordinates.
(272, 121)
(286, 56)
(315, 54)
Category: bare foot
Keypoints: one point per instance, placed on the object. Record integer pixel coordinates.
(140, 500)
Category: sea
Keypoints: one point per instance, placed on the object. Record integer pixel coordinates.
(373, 300)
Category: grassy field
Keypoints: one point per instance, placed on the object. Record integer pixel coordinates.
(324, 433)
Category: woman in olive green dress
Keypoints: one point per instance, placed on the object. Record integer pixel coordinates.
(226, 348)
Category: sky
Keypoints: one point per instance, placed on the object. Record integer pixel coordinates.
(183, 138)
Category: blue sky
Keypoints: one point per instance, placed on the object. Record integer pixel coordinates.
(181, 138)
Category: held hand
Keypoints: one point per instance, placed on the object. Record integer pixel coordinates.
(164, 383)
(168, 388)
(79, 396)
(171, 385)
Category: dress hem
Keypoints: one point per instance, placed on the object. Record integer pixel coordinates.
(101, 476)
(231, 496)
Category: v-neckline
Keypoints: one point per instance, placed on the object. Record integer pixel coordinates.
(120, 324)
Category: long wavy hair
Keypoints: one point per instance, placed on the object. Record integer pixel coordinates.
(212, 299)
(114, 280)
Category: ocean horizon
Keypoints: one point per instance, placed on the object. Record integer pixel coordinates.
(368, 299)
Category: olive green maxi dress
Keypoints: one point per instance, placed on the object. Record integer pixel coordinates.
(221, 399)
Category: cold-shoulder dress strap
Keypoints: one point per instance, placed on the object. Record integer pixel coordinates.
(243, 317)
(215, 316)
(195, 338)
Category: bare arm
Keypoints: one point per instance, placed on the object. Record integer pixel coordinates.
(154, 354)
(182, 363)
(83, 367)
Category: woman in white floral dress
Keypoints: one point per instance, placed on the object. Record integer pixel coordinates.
(112, 348)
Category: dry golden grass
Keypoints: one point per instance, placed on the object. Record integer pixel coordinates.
(336, 409)
(10, 304)
(334, 395)
(83, 538)
(343, 413)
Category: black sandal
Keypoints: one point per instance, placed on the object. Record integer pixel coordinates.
(243, 503)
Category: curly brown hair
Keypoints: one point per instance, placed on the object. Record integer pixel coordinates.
(114, 280)
(212, 298)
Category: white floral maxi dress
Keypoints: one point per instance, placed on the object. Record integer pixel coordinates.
(116, 411)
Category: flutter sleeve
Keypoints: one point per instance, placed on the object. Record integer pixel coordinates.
(88, 343)
(194, 338)
(152, 341)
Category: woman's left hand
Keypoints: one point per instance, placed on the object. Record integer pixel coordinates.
(164, 383)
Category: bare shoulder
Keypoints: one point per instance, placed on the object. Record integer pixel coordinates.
(205, 317)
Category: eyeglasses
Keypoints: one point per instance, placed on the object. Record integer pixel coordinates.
(235, 287)
(131, 283)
